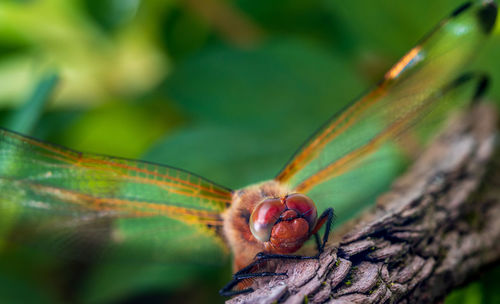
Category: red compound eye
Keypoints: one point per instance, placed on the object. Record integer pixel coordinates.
(304, 206)
(263, 218)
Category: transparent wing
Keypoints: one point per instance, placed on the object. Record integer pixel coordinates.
(410, 91)
(372, 170)
(56, 196)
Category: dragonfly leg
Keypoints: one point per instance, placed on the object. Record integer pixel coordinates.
(317, 241)
(327, 217)
(246, 272)
(243, 274)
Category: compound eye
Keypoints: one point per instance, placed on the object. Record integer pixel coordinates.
(264, 216)
(304, 206)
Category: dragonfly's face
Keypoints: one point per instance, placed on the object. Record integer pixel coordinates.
(284, 224)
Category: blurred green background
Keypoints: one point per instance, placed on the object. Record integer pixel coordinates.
(209, 86)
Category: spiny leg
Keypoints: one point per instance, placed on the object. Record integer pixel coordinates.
(227, 290)
(327, 217)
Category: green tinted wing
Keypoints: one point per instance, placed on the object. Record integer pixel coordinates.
(50, 194)
(409, 92)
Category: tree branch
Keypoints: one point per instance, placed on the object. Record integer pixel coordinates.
(431, 233)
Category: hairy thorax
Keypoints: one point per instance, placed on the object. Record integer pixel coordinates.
(236, 220)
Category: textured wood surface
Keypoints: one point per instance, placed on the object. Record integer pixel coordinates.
(435, 229)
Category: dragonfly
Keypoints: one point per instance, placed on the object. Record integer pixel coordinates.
(74, 197)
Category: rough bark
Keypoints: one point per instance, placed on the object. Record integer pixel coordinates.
(435, 229)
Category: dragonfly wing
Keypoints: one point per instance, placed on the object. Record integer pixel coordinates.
(73, 198)
(360, 176)
(411, 90)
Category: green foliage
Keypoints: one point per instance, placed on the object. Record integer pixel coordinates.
(17, 290)
(161, 81)
(485, 290)
(24, 119)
